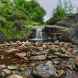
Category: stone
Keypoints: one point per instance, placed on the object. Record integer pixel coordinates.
(38, 57)
(76, 60)
(12, 50)
(12, 67)
(15, 76)
(60, 72)
(27, 43)
(73, 34)
(61, 44)
(28, 72)
(7, 71)
(19, 43)
(1, 57)
(70, 50)
(2, 74)
(45, 70)
(56, 42)
(44, 46)
(21, 55)
(2, 66)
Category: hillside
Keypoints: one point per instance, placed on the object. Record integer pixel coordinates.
(72, 23)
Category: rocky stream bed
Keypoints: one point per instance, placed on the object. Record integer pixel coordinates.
(38, 60)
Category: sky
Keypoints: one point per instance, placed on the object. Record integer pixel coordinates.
(50, 5)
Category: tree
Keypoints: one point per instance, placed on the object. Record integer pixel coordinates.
(59, 14)
(17, 16)
(32, 9)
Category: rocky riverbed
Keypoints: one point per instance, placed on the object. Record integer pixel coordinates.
(38, 60)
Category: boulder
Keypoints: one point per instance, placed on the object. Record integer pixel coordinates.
(45, 70)
(74, 34)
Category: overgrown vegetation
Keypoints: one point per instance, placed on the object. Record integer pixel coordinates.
(18, 16)
(59, 14)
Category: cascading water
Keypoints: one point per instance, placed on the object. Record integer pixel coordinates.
(39, 35)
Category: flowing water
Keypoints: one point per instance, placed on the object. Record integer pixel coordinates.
(39, 35)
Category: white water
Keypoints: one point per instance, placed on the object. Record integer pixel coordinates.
(39, 34)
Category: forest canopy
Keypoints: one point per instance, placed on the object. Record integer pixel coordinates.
(17, 17)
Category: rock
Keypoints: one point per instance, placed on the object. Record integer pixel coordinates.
(67, 45)
(45, 70)
(56, 42)
(1, 57)
(69, 74)
(19, 43)
(61, 44)
(12, 67)
(2, 66)
(73, 33)
(2, 74)
(44, 46)
(7, 71)
(28, 72)
(12, 50)
(14, 76)
(60, 73)
(21, 55)
(76, 60)
(38, 57)
(27, 43)
(70, 50)
(6, 43)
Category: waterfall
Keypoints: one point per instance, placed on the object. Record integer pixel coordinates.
(39, 34)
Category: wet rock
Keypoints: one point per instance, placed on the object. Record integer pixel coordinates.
(45, 70)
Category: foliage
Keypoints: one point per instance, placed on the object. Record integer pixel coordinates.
(17, 17)
(59, 14)
(31, 9)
